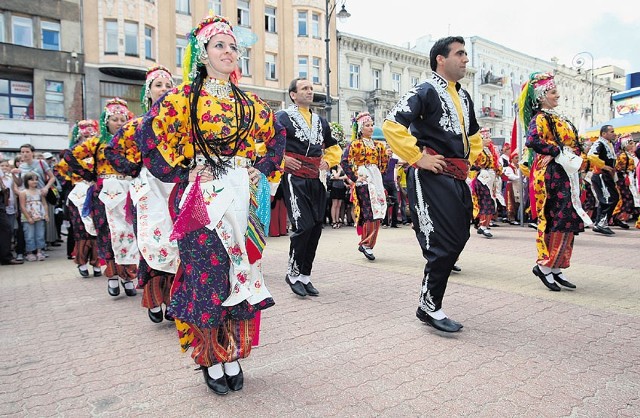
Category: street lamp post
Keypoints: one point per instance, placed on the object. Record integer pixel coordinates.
(578, 61)
(342, 14)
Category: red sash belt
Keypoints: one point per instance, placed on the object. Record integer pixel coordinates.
(458, 168)
(309, 169)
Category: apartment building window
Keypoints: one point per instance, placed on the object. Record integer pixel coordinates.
(315, 25)
(1, 27)
(16, 99)
(216, 6)
(270, 67)
(243, 13)
(375, 76)
(148, 42)
(22, 30)
(414, 81)
(315, 70)
(110, 37)
(181, 45)
(395, 82)
(182, 6)
(270, 19)
(302, 24)
(354, 76)
(245, 63)
(54, 99)
(128, 92)
(50, 35)
(131, 38)
(303, 67)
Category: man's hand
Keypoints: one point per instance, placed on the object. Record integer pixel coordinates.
(324, 165)
(44, 191)
(292, 163)
(433, 163)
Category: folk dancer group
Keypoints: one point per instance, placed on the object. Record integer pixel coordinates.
(179, 196)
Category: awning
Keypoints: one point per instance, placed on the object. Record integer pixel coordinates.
(624, 125)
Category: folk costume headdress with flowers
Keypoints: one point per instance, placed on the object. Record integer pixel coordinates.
(84, 128)
(153, 73)
(194, 67)
(358, 123)
(115, 106)
(532, 93)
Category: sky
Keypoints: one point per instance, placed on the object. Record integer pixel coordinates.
(542, 29)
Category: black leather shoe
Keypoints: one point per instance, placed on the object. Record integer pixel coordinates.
(235, 382)
(129, 292)
(563, 282)
(168, 317)
(602, 230)
(311, 291)
(485, 232)
(113, 291)
(83, 273)
(456, 269)
(219, 386)
(297, 287)
(618, 222)
(97, 273)
(551, 286)
(155, 317)
(446, 324)
(367, 253)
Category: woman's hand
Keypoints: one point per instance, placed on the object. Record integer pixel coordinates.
(254, 175)
(203, 172)
(44, 191)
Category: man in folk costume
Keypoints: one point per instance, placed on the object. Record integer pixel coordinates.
(310, 148)
(603, 182)
(434, 128)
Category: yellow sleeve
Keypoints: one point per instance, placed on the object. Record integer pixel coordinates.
(403, 144)
(595, 161)
(332, 155)
(172, 127)
(475, 146)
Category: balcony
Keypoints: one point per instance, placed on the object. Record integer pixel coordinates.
(490, 113)
(491, 82)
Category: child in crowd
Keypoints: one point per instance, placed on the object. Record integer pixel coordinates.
(34, 216)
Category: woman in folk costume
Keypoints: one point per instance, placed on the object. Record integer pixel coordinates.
(625, 183)
(81, 227)
(485, 174)
(555, 198)
(106, 200)
(152, 220)
(204, 136)
(513, 190)
(363, 161)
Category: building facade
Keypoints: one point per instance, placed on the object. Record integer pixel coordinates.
(41, 73)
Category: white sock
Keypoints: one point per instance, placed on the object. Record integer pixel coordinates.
(113, 282)
(304, 279)
(156, 309)
(439, 314)
(544, 269)
(232, 369)
(293, 279)
(83, 268)
(215, 371)
(129, 285)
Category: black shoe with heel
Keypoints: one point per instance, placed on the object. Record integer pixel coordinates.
(128, 292)
(563, 282)
(113, 291)
(155, 317)
(236, 382)
(551, 286)
(218, 386)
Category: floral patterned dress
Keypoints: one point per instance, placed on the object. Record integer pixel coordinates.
(151, 218)
(366, 159)
(625, 168)
(203, 283)
(485, 172)
(552, 192)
